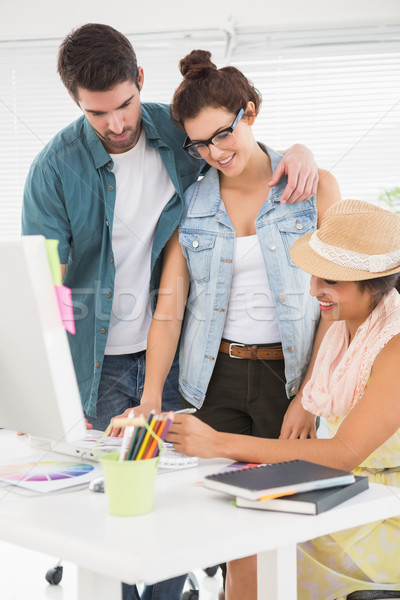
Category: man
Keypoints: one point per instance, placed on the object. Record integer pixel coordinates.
(109, 187)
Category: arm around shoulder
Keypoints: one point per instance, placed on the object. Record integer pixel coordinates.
(328, 192)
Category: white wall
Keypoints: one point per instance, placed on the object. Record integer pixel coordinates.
(41, 19)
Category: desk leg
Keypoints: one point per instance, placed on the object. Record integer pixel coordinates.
(93, 586)
(277, 574)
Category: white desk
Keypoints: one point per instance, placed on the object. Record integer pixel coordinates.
(190, 527)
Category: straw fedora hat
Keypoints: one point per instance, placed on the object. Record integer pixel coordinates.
(356, 241)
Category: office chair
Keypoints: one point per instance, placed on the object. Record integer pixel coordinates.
(194, 591)
(54, 576)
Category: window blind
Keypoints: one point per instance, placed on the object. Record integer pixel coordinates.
(337, 91)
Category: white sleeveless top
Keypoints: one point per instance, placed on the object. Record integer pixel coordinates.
(251, 315)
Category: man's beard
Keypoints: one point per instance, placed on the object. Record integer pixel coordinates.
(130, 141)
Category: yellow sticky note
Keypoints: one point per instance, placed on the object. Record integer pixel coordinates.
(54, 261)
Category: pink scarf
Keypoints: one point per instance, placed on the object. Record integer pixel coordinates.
(341, 371)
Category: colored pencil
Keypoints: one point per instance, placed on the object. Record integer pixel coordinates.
(133, 443)
(169, 421)
(162, 434)
(146, 438)
(125, 422)
(128, 433)
(141, 436)
(151, 451)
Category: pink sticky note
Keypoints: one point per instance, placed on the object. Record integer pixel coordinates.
(64, 298)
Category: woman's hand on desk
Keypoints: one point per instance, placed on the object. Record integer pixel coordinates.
(297, 422)
(193, 437)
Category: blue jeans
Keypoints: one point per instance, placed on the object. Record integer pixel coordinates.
(121, 387)
(171, 589)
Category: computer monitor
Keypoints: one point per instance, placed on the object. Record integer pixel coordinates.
(38, 389)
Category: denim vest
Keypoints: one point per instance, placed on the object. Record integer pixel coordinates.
(207, 239)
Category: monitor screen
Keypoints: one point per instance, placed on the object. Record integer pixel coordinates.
(38, 389)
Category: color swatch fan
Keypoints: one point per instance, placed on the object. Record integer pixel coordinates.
(47, 476)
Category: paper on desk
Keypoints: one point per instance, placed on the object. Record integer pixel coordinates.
(48, 475)
(96, 440)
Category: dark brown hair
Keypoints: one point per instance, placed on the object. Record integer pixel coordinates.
(96, 57)
(205, 85)
(380, 286)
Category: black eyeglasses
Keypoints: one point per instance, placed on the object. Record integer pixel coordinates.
(223, 139)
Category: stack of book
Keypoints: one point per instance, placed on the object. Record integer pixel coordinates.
(296, 486)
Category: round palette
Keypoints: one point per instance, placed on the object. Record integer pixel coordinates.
(44, 471)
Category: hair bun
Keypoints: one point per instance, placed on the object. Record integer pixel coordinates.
(197, 64)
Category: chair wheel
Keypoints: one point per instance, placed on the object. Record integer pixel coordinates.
(54, 575)
(210, 571)
(191, 595)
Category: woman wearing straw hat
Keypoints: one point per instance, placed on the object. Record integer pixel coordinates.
(354, 260)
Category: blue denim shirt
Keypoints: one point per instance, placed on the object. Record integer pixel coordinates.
(207, 238)
(70, 196)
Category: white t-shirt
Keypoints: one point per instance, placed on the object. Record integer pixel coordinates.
(250, 317)
(143, 188)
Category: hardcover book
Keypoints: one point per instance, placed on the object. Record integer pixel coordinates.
(279, 479)
(309, 503)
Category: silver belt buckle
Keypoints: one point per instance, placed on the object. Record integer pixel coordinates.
(230, 350)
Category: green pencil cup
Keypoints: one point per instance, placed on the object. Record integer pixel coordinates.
(129, 485)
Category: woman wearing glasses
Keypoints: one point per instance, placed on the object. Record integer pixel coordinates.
(247, 320)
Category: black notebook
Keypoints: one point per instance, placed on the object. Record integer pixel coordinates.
(309, 503)
(255, 482)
